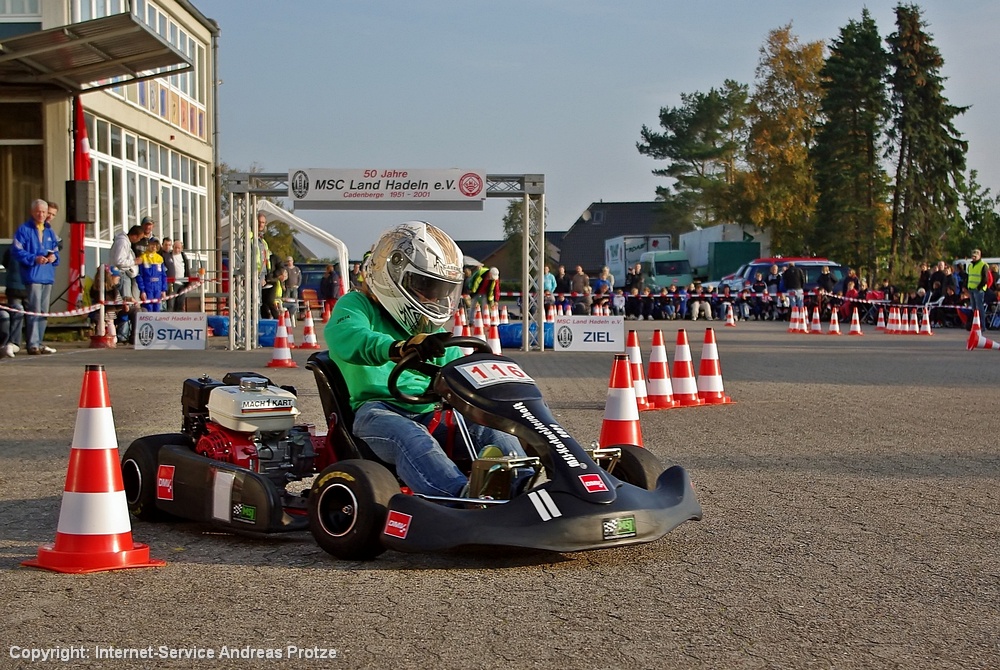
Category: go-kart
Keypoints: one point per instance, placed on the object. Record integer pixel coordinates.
(239, 453)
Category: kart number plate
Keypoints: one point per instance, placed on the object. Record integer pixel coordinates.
(486, 373)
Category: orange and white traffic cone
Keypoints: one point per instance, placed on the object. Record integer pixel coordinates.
(282, 356)
(892, 327)
(504, 317)
(834, 323)
(914, 322)
(550, 314)
(289, 332)
(730, 317)
(466, 333)
(94, 533)
(925, 326)
(684, 383)
(327, 310)
(456, 324)
(477, 323)
(660, 393)
(621, 415)
(494, 340)
(881, 320)
(638, 379)
(309, 332)
(855, 323)
(710, 388)
(494, 315)
(793, 321)
(607, 310)
(974, 334)
(983, 342)
(817, 327)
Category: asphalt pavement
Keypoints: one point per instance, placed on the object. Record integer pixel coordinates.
(852, 520)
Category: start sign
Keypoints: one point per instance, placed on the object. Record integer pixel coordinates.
(590, 333)
(171, 330)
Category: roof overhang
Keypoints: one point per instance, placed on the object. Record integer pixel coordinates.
(89, 56)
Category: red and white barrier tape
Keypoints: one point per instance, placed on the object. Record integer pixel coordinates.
(87, 310)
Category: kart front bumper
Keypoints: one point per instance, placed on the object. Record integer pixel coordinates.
(545, 519)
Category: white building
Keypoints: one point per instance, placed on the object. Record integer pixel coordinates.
(145, 73)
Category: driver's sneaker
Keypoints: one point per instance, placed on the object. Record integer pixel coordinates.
(8, 351)
(46, 350)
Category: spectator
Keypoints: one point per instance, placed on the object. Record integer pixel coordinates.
(682, 302)
(889, 291)
(633, 305)
(152, 279)
(36, 249)
(699, 303)
(826, 281)
(773, 281)
(978, 280)
(760, 297)
(618, 303)
(549, 281)
(638, 278)
(291, 294)
(112, 296)
(477, 288)
(584, 302)
(123, 258)
(329, 287)
(794, 281)
(564, 285)
(579, 280)
(605, 282)
(723, 301)
(924, 278)
(355, 278)
(146, 228)
(16, 296)
(179, 268)
(263, 262)
(271, 296)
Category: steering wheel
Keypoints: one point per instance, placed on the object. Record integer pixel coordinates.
(411, 361)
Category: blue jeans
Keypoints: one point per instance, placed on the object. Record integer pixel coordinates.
(401, 438)
(13, 335)
(977, 303)
(38, 301)
(795, 297)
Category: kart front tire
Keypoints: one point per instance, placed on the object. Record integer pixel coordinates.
(348, 506)
(637, 467)
(139, 466)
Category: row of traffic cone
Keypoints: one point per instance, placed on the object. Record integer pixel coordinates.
(628, 393)
(284, 341)
(798, 322)
(904, 321)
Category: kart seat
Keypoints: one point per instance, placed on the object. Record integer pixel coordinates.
(336, 400)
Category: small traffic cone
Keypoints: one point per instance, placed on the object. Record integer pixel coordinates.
(456, 326)
(309, 332)
(855, 323)
(465, 333)
(477, 323)
(282, 356)
(881, 320)
(685, 385)
(730, 317)
(94, 533)
(327, 310)
(606, 311)
(892, 327)
(494, 340)
(977, 329)
(710, 387)
(289, 332)
(925, 326)
(621, 415)
(595, 310)
(504, 317)
(638, 379)
(983, 342)
(834, 323)
(914, 322)
(660, 393)
(793, 321)
(817, 327)
(494, 315)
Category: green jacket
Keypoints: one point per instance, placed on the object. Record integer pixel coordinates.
(359, 335)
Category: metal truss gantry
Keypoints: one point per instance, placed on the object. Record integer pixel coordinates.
(244, 289)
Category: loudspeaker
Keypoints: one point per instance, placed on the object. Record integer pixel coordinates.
(81, 202)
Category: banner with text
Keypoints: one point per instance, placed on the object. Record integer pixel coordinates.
(386, 188)
(171, 330)
(590, 333)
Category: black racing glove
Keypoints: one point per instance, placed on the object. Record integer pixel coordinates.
(427, 345)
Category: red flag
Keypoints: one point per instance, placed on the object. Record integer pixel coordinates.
(81, 172)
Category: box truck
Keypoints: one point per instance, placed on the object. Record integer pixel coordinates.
(624, 251)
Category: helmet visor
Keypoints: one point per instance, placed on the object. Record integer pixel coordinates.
(439, 297)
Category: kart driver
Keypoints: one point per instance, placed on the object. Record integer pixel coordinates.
(412, 286)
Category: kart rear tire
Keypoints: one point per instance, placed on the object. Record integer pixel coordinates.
(348, 506)
(139, 466)
(637, 467)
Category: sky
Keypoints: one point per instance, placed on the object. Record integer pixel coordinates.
(557, 87)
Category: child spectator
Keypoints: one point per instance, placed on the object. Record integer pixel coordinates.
(152, 279)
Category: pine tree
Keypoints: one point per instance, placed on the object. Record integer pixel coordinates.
(929, 152)
(851, 213)
(784, 110)
(702, 140)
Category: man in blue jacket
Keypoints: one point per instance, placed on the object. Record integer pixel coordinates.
(36, 249)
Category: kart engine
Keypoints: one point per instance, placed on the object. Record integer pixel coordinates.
(249, 423)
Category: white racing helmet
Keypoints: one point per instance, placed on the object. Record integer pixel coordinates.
(415, 273)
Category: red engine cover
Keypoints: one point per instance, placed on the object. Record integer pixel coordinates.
(221, 444)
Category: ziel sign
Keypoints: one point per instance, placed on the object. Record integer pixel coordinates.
(386, 188)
